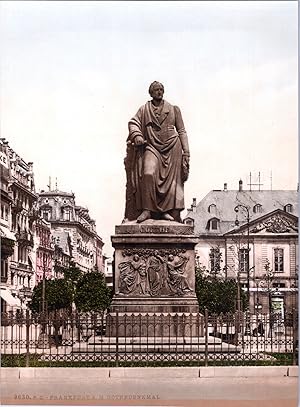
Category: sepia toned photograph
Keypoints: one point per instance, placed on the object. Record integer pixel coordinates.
(149, 203)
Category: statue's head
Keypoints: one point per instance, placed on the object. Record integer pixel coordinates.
(156, 89)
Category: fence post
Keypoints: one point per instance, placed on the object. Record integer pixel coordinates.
(236, 327)
(206, 336)
(295, 336)
(117, 338)
(27, 337)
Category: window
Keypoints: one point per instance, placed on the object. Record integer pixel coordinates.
(278, 260)
(4, 271)
(67, 214)
(46, 215)
(214, 224)
(243, 260)
(288, 208)
(278, 285)
(215, 259)
(257, 208)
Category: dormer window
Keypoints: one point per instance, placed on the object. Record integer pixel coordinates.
(46, 214)
(213, 224)
(212, 208)
(257, 208)
(189, 221)
(67, 214)
(288, 208)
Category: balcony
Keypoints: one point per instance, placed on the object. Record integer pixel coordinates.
(23, 266)
(17, 205)
(25, 238)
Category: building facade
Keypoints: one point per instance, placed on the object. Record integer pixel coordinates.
(8, 239)
(73, 231)
(18, 212)
(251, 236)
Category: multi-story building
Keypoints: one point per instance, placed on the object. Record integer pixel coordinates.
(44, 253)
(21, 191)
(73, 230)
(251, 236)
(8, 239)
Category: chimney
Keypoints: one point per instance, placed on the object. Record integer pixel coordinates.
(240, 185)
(194, 204)
(225, 186)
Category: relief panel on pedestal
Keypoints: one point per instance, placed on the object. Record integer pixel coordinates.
(155, 273)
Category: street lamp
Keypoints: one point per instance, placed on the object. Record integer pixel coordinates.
(43, 340)
(246, 208)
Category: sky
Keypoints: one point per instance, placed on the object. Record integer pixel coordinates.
(72, 74)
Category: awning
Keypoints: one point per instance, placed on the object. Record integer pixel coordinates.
(9, 298)
(5, 232)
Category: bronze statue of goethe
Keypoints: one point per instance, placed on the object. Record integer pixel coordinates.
(157, 161)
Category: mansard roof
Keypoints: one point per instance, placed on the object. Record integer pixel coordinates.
(226, 200)
(57, 193)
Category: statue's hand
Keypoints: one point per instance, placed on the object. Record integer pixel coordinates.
(185, 167)
(138, 141)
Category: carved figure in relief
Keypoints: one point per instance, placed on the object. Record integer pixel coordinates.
(133, 276)
(155, 274)
(143, 278)
(157, 161)
(177, 279)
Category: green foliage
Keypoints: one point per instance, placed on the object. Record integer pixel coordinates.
(217, 295)
(87, 290)
(92, 294)
(58, 295)
(72, 274)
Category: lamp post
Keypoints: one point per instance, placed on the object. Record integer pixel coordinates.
(43, 340)
(44, 282)
(246, 208)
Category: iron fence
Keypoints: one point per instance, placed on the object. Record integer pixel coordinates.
(149, 339)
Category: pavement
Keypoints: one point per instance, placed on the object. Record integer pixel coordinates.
(269, 386)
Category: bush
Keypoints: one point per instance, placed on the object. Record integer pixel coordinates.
(217, 295)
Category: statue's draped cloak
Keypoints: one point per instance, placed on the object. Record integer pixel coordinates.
(165, 138)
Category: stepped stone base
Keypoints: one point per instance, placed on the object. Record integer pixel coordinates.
(156, 345)
(155, 325)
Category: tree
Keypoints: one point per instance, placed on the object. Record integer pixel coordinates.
(92, 293)
(217, 295)
(58, 295)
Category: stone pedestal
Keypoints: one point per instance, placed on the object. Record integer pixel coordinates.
(154, 273)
